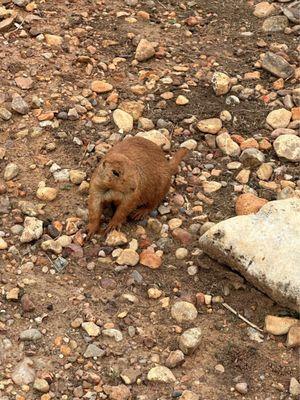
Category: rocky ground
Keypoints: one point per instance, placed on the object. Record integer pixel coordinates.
(140, 315)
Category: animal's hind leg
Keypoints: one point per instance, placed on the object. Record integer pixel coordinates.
(141, 213)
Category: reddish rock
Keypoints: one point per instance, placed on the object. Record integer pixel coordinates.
(182, 235)
(248, 203)
(120, 392)
(249, 143)
(150, 259)
(27, 303)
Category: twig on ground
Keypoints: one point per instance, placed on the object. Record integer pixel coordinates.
(241, 317)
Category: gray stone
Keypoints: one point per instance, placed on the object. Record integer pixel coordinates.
(30, 335)
(23, 373)
(183, 311)
(277, 65)
(33, 229)
(11, 171)
(294, 387)
(293, 12)
(288, 147)
(175, 358)
(5, 114)
(242, 387)
(252, 158)
(19, 105)
(161, 374)
(190, 340)
(278, 23)
(93, 351)
(41, 385)
(113, 333)
(4, 205)
(268, 251)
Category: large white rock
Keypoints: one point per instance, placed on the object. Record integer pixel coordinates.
(263, 247)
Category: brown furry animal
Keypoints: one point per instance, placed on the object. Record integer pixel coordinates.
(135, 176)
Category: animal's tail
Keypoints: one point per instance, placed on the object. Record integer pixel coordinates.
(177, 157)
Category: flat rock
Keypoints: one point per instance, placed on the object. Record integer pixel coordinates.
(279, 118)
(288, 147)
(53, 40)
(210, 125)
(156, 137)
(248, 203)
(188, 395)
(189, 144)
(190, 340)
(33, 229)
(144, 51)
(120, 392)
(128, 257)
(116, 238)
(7, 23)
(11, 171)
(279, 325)
(77, 176)
(23, 373)
(24, 83)
(93, 351)
(175, 358)
(41, 385)
(277, 65)
(293, 338)
(294, 388)
(113, 333)
(5, 114)
(277, 23)
(101, 87)
(267, 254)
(19, 105)
(91, 328)
(252, 158)
(227, 145)
(183, 311)
(123, 120)
(30, 335)
(264, 9)
(161, 374)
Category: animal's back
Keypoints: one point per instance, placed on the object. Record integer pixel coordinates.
(152, 165)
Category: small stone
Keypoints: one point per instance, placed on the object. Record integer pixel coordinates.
(279, 118)
(27, 303)
(11, 171)
(243, 176)
(182, 235)
(264, 9)
(252, 158)
(123, 120)
(175, 223)
(101, 87)
(52, 245)
(91, 328)
(190, 144)
(5, 114)
(277, 65)
(288, 147)
(210, 125)
(33, 230)
(248, 203)
(181, 253)
(53, 40)
(116, 238)
(211, 186)
(62, 175)
(30, 335)
(7, 23)
(221, 83)
(128, 257)
(190, 340)
(175, 359)
(144, 51)
(183, 311)
(182, 100)
(242, 387)
(19, 105)
(113, 333)
(249, 143)
(161, 374)
(220, 368)
(3, 244)
(130, 376)
(120, 392)
(93, 351)
(264, 172)
(77, 176)
(278, 23)
(188, 395)
(23, 373)
(227, 145)
(293, 338)
(154, 293)
(294, 388)
(279, 325)
(150, 259)
(41, 385)
(156, 137)
(46, 193)
(24, 83)
(13, 294)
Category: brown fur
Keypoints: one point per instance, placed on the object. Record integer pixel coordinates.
(135, 176)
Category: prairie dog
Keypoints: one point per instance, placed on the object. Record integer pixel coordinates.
(135, 176)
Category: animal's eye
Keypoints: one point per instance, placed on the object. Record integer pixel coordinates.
(116, 173)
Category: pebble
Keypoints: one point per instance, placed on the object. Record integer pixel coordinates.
(288, 147)
(116, 238)
(3, 244)
(101, 87)
(183, 311)
(27, 303)
(144, 51)
(161, 374)
(190, 144)
(150, 259)
(175, 359)
(279, 325)
(120, 392)
(190, 340)
(220, 368)
(264, 9)
(252, 158)
(123, 120)
(91, 328)
(62, 175)
(248, 203)
(154, 293)
(182, 235)
(277, 23)
(11, 171)
(30, 335)
(7, 23)
(293, 338)
(23, 373)
(113, 333)
(13, 294)
(227, 145)
(221, 83)
(77, 176)
(188, 395)
(182, 100)
(279, 118)
(265, 171)
(41, 385)
(211, 186)
(5, 114)
(46, 193)
(93, 351)
(24, 83)
(181, 253)
(210, 125)
(19, 105)
(277, 65)
(33, 230)
(175, 223)
(53, 40)
(242, 387)
(156, 137)
(52, 245)
(128, 257)
(294, 388)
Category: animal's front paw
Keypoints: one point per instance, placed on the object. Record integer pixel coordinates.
(92, 230)
(112, 226)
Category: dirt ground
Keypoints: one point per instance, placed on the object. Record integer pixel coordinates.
(92, 287)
